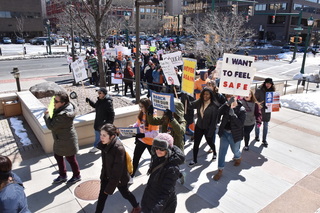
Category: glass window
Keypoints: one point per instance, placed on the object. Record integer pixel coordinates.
(142, 16)
(142, 10)
(5, 14)
(278, 6)
(297, 6)
(154, 10)
(261, 7)
(315, 1)
(148, 10)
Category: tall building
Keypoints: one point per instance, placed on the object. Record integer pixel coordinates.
(22, 16)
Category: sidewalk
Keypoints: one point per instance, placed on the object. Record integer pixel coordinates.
(281, 178)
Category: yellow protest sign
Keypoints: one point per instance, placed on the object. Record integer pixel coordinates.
(152, 49)
(51, 107)
(188, 75)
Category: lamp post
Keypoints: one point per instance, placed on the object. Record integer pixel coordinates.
(127, 17)
(16, 74)
(310, 23)
(49, 38)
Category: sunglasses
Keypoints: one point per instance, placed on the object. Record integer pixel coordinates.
(161, 149)
(55, 101)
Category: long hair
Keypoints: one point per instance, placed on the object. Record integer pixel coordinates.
(202, 94)
(253, 98)
(5, 168)
(110, 129)
(146, 103)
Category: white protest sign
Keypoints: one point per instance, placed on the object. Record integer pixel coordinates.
(110, 53)
(175, 57)
(144, 49)
(169, 72)
(162, 101)
(79, 70)
(127, 51)
(237, 74)
(128, 131)
(116, 78)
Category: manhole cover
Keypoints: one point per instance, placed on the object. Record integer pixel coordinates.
(88, 190)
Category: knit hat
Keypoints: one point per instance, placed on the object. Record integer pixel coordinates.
(163, 141)
(268, 80)
(104, 90)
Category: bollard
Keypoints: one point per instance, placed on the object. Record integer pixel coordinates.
(16, 74)
(24, 50)
(0, 52)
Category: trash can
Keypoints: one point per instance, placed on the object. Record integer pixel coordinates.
(11, 108)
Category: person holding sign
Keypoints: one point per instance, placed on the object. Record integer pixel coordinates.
(267, 86)
(230, 132)
(200, 83)
(145, 136)
(207, 112)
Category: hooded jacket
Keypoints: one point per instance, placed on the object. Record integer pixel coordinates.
(104, 112)
(64, 134)
(160, 194)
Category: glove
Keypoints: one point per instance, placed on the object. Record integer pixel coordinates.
(231, 112)
(87, 100)
(169, 114)
(231, 100)
(258, 125)
(150, 110)
(140, 135)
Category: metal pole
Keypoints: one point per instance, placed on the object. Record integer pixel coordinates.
(296, 37)
(49, 39)
(18, 84)
(72, 38)
(127, 33)
(305, 51)
(212, 5)
(137, 66)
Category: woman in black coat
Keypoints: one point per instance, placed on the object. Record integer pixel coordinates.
(160, 194)
(114, 173)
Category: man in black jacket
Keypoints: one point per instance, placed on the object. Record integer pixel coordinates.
(104, 114)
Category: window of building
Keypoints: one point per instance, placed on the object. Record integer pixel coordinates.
(148, 10)
(5, 14)
(142, 10)
(297, 7)
(278, 6)
(154, 10)
(315, 1)
(309, 9)
(142, 16)
(260, 7)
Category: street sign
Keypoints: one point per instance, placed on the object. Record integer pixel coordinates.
(298, 28)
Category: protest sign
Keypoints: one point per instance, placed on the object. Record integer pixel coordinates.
(236, 75)
(144, 49)
(79, 70)
(188, 75)
(169, 72)
(272, 101)
(110, 53)
(51, 106)
(162, 101)
(128, 131)
(116, 78)
(175, 57)
(153, 49)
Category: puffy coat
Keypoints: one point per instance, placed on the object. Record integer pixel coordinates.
(160, 194)
(64, 134)
(104, 112)
(114, 167)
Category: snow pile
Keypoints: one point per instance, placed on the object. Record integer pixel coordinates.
(20, 131)
(309, 103)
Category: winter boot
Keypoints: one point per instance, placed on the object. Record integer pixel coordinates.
(217, 176)
(237, 162)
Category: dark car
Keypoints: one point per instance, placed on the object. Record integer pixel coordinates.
(19, 40)
(6, 40)
(40, 40)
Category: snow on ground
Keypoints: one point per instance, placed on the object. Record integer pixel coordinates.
(20, 131)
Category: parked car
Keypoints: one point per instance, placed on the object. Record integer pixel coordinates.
(40, 40)
(19, 40)
(6, 40)
(316, 48)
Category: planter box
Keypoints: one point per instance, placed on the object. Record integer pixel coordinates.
(11, 108)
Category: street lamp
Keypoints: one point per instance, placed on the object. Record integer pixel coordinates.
(49, 39)
(127, 17)
(310, 24)
(16, 74)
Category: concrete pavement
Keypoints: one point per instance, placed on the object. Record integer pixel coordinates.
(281, 178)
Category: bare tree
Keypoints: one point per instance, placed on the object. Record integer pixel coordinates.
(20, 26)
(220, 33)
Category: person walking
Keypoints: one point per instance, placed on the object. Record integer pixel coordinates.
(128, 79)
(144, 138)
(230, 132)
(253, 116)
(114, 173)
(64, 136)
(207, 112)
(160, 193)
(104, 114)
(267, 86)
(12, 196)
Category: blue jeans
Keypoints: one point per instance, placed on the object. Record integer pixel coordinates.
(226, 140)
(264, 131)
(97, 138)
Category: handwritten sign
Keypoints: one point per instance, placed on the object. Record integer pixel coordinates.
(175, 58)
(236, 75)
(272, 101)
(169, 72)
(188, 75)
(79, 70)
(162, 101)
(128, 131)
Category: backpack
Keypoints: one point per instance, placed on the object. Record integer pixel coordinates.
(129, 163)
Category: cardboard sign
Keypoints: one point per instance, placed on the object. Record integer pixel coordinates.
(236, 75)
(128, 131)
(272, 102)
(162, 101)
(175, 58)
(169, 72)
(79, 70)
(116, 78)
(188, 75)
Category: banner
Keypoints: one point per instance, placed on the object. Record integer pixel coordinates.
(116, 78)
(176, 58)
(79, 70)
(162, 101)
(128, 131)
(236, 75)
(169, 72)
(144, 49)
(188, 75)
(272, 101)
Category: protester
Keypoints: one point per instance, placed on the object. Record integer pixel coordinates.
(12, 196)
(230, 132)
(200, 83)
(114, 173)
(207, 112)
(253, 116)
(104, 114)
(144, 138)
(64, 136)
(116, 70)
(148, 76)
(160, 194)
(267, 86)
(128, 79)
(158, 79)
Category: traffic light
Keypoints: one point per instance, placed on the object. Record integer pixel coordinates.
(234, 9)
(292, 39)
(250, 11)
(247, 18)
(273, 19)
(300, 39)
